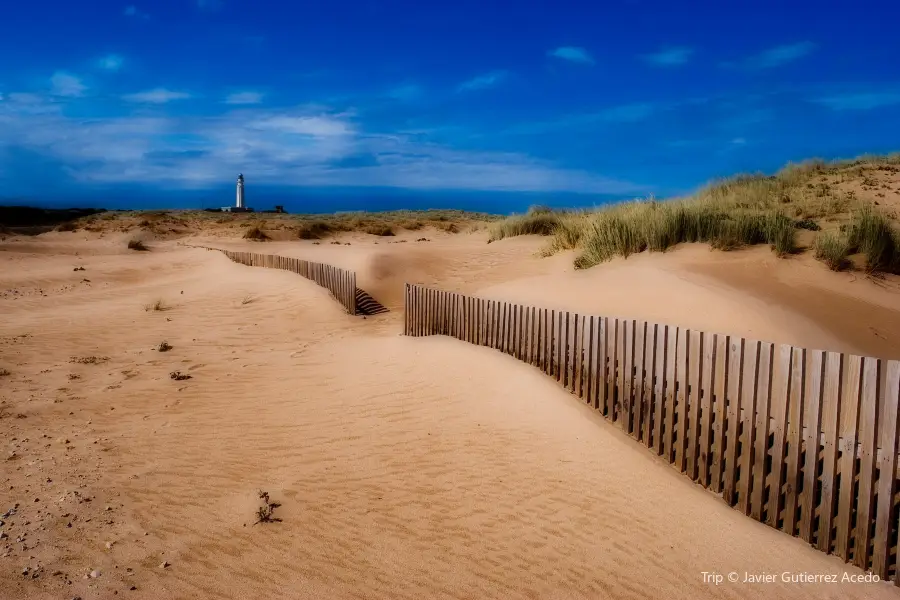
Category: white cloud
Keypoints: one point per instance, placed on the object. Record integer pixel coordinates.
(861, 100)
(66, 84)
(156, 96)
(669, 57)
(244, 98)
(481, 82)
(310, 146)
(111, 62)
(572, 54)
(623, 113)
(779, 55)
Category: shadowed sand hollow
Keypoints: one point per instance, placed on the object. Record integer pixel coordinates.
(405, 467)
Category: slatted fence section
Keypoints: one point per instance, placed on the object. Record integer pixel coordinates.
(803, 440)
(340, 282)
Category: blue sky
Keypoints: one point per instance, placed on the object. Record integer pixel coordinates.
(460, 102)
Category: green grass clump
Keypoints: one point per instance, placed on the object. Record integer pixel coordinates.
(530, 224)
(381, 229)
(657, 226)
(314, 229)
(831, 248)
(256, 234)
(871, 234)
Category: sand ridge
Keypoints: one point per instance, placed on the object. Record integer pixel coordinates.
(406, 467)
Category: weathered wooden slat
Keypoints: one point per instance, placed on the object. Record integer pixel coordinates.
(692, 408)
(566, 352)
(868, 420)
(708, 344)
(681, 396)
(659, 389)
(831, 410)
(560, 346)
(887, 467)
(889, 395)
(602, 364)
(529, 335)
(733, 416)
(793, 470)
(761, 443)
(526, 323)
(423, 311)
(812, 420)
(637, 380)
(610, 368)
(670, 390)
(626, 374)
(504, 329)
(407, 306)
(553, 345)
(748, 422)
(483, 321)
(850, 396)
(781, 378)
(621, 326)
(514, 331)
(591, 383)
(575, 360)
(647, 383)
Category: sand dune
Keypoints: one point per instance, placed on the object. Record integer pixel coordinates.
(406, 467)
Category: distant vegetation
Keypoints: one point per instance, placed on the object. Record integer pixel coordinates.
(137, 245)
(256, 234)
(741, 211)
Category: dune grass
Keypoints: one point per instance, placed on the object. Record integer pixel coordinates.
(137, 245)
(740, 211)
(832, 249)
(256, 234)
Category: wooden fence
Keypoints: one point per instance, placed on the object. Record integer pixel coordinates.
(340, 282)
(802, 440)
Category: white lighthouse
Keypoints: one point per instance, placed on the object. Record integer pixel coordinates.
(240, 192)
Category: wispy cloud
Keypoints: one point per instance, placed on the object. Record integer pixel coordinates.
(244, 98)
(572, 54)
(481, 82)
(623, 113)
(860, 101)
(156, 96)
(669, 57)
(135, 13)
(776, 56)
(66, 84)
(111, 62)
(306, 146)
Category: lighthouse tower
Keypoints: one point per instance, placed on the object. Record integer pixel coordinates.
(240, 192)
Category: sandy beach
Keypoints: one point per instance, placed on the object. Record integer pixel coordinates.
(405, 467)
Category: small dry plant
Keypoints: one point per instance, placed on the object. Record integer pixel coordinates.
(265, 513)
(157, 305)
(247, 299)
(179, 376)
(137, 245)
(164, 346)
(4, 373)
(88, 360)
